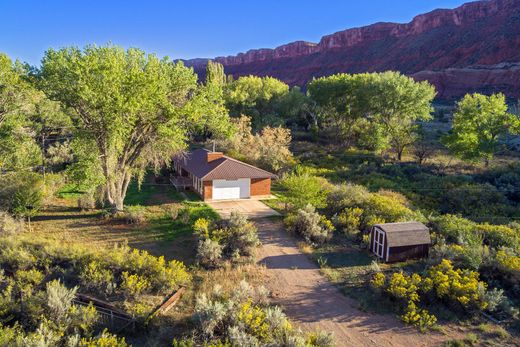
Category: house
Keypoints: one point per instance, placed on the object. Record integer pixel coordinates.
(400, 241)
(215, 176)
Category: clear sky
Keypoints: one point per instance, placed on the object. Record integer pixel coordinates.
(189, 29)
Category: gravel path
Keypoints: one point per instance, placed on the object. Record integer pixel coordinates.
(314, 304)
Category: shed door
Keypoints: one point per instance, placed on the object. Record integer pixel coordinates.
(379, 238)
(234, 189)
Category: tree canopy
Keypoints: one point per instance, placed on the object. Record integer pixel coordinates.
(131, 110)
(17, 103)
(373, 110)
(256, 97)
(479, 123)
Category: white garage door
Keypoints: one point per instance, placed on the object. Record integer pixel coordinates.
(236, 189)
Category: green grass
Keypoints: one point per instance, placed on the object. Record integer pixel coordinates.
(146, 194)
(171, 229)
(70, 191)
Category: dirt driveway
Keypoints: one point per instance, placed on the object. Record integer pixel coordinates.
(252, 209)
(315, 304)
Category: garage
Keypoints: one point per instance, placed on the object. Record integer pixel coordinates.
(231, 189)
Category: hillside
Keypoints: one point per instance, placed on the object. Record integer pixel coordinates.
(475, 47)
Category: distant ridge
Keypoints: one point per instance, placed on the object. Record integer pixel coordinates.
(475, 47)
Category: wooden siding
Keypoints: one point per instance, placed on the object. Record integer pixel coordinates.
(260, 186)
(208, 190)
(403, 253)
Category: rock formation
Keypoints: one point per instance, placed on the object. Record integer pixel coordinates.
(475, 47)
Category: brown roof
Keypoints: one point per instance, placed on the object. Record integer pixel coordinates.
(406, 234)
(227, 168)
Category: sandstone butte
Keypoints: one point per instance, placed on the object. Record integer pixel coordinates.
(472, 48)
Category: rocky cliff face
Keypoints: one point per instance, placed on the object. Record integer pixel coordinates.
(475, 47)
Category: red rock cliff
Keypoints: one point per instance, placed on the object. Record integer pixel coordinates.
(460, 50)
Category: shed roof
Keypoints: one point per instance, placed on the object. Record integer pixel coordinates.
(226, 168)
(405, 234)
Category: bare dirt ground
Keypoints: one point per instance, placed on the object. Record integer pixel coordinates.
(314, 304)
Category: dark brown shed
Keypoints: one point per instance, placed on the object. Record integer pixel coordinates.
(400, 241)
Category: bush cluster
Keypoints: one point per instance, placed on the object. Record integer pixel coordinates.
(313, 227)
(47, 316)
(10, 225)
(356, 209)
(460, 289)
(102, 271)
(245, 318)
(226, 239)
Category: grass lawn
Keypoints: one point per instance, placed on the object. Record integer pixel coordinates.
(159, 235)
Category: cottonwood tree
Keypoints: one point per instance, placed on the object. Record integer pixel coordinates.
(257, 97)
(131, 110)
(373, 110)
(398, 103)
(479, 123)
(18, 150)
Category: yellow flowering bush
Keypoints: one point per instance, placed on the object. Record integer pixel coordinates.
(508, 261)
(402, 286)
(418, 317)
(462, 286)
(134, 284)
(254, 319)
(378, 281)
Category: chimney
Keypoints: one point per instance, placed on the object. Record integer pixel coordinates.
(214, 156)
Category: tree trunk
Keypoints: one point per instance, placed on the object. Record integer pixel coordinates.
(400, 154)
(116, 189)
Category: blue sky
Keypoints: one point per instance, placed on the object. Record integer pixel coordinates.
(189, 29)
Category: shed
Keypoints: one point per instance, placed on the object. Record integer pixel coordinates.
(400, 241)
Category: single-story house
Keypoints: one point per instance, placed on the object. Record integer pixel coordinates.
(215, 176)
(393, 242)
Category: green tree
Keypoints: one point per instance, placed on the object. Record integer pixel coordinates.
(300, 188)
(398, 104)
(17, 103)
(131, 110)
(373, 110)
(479, 123)
(257, 97)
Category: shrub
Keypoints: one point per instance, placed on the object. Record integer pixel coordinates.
(172, 211)
(321, 339)
(242, 236)
(346, 196)
(313, 227)
(507, 260)
(244, 319)
(21, 193)
(209, 253)
(417, 317)
(350, 220)
(301, 188)
(135, 214)
(498, 236)
(86, 202)
(453, 228)
(462, 286)
(201, 228)
(232, 238)
(10, 225)
(387, 209)
(94, 276)
(133, 285)
(59, 299)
